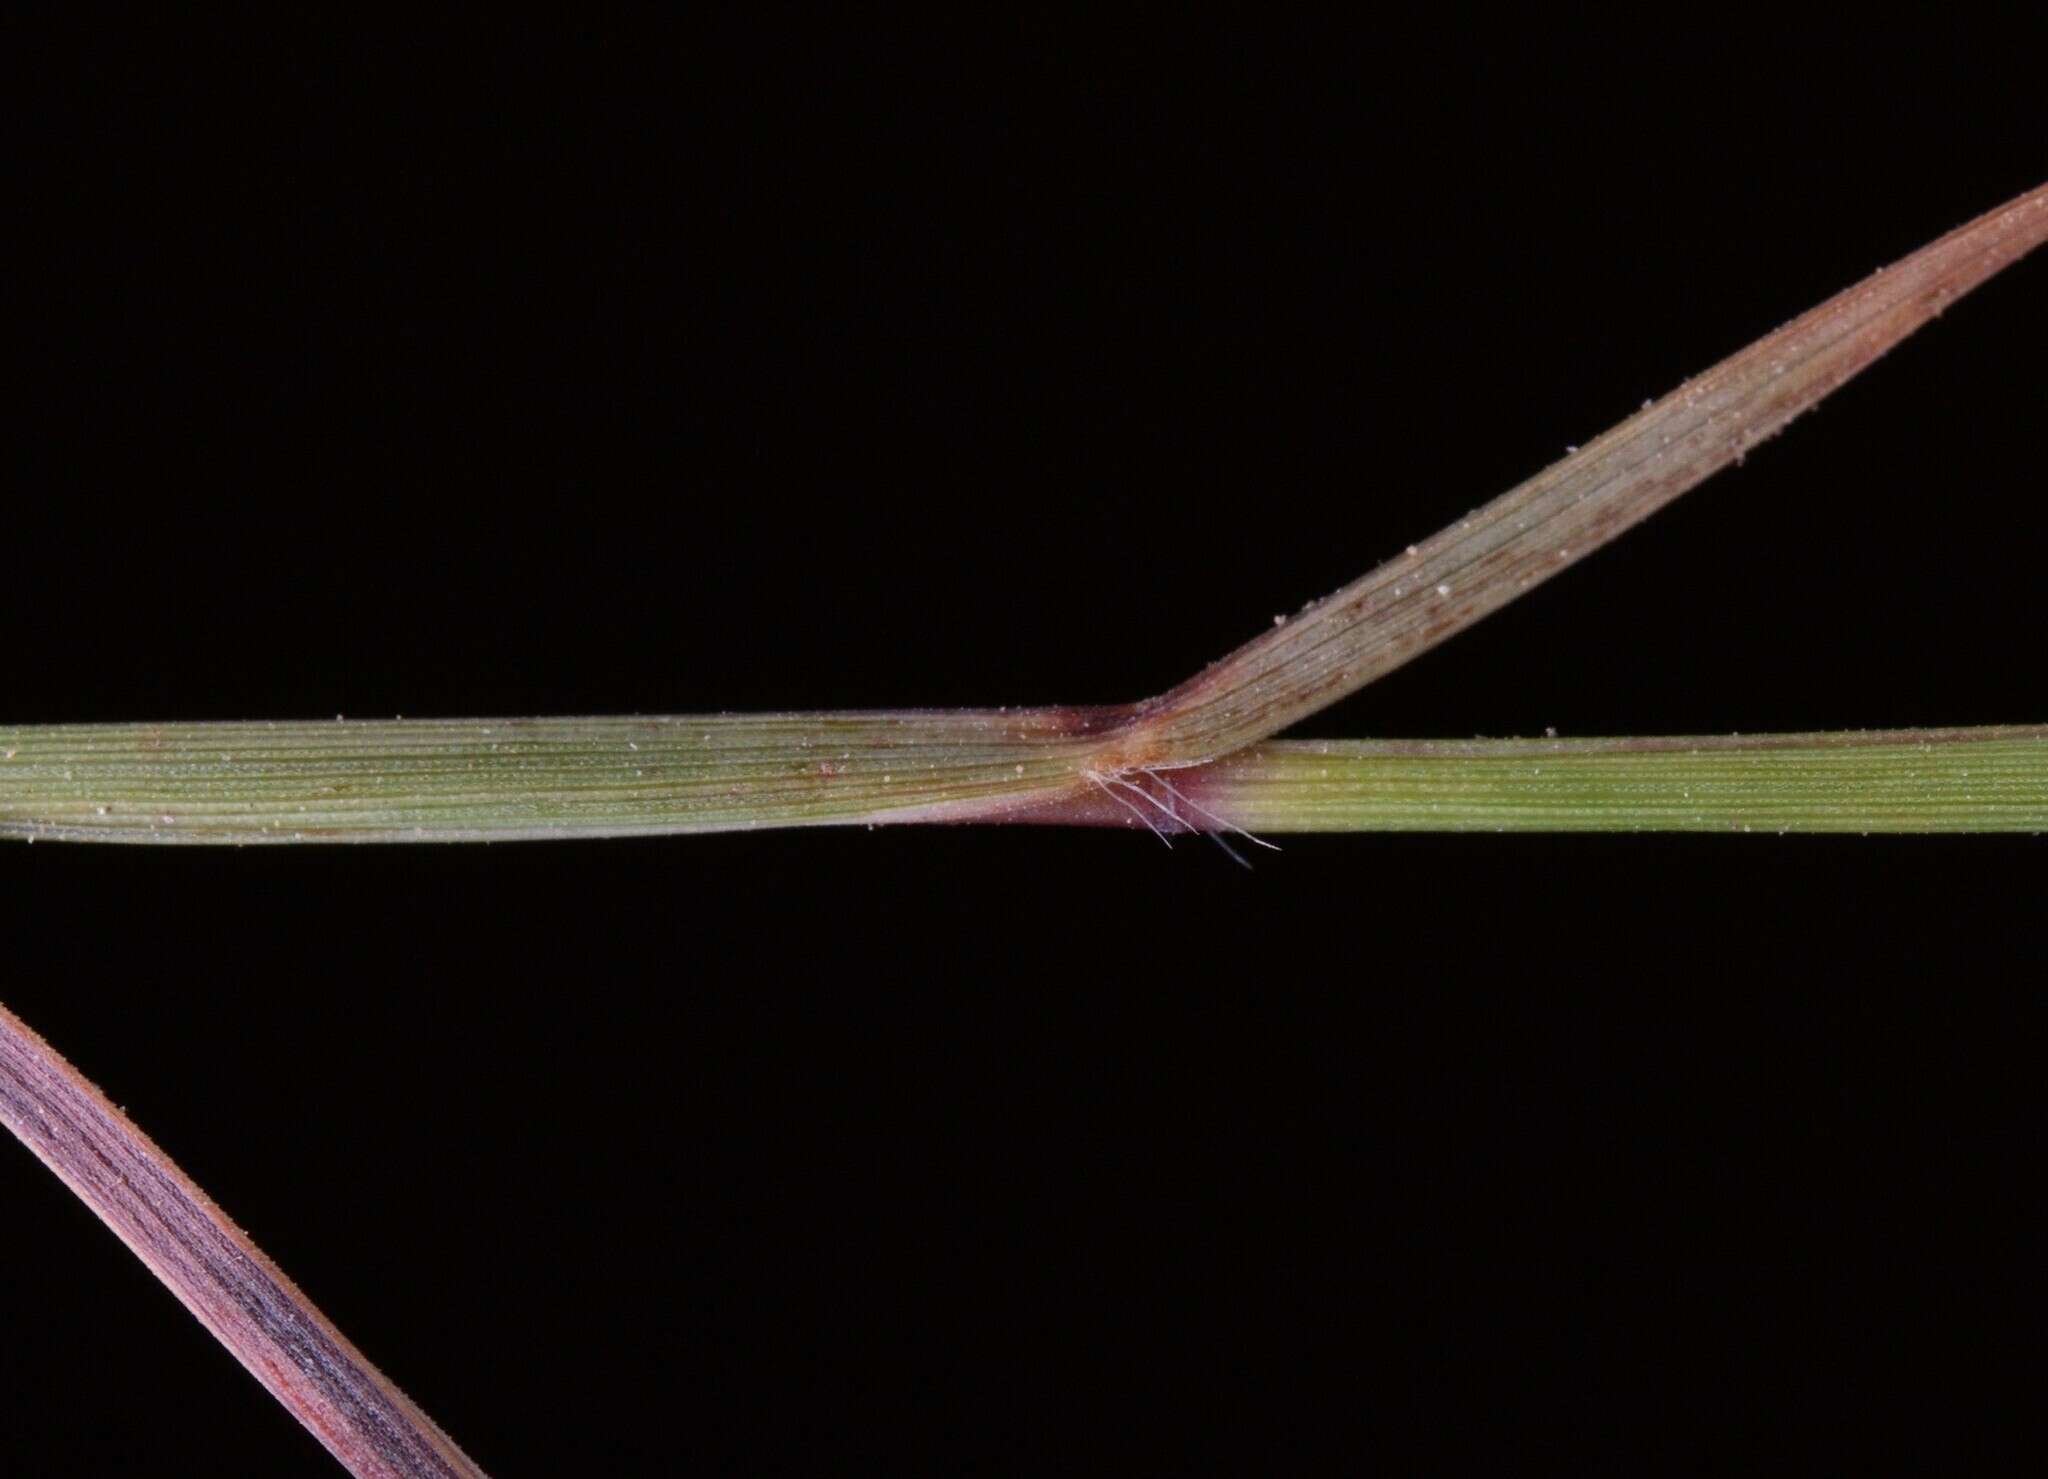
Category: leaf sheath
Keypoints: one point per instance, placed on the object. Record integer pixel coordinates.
(410, 780)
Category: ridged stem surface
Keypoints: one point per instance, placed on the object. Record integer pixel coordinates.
(310, 1367)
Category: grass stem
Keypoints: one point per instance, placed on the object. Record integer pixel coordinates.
(367, 1423)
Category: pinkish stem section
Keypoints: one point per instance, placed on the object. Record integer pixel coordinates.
(215, 1271)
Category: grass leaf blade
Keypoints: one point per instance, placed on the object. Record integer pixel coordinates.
(1525, 536)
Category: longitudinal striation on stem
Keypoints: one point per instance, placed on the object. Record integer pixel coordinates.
(366, 1422)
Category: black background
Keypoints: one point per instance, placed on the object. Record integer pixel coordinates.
(792, 363)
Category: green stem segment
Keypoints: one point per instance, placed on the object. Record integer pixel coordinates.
(407, 780)
(450, 781)
(1966, 780)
